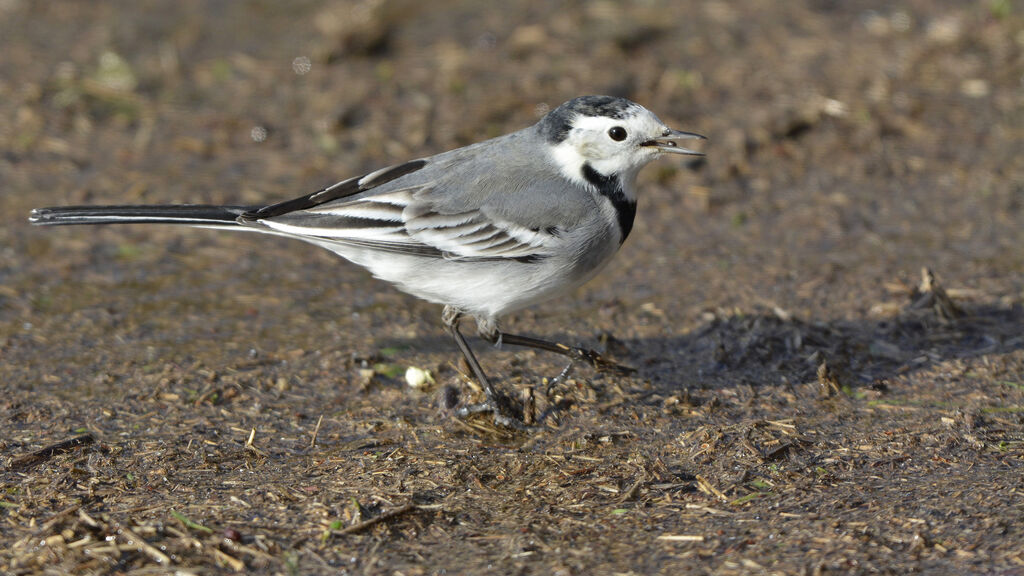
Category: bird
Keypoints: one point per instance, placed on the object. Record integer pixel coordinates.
(483, 230)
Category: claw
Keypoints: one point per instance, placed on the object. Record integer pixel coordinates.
(562, 377)
(599, 362)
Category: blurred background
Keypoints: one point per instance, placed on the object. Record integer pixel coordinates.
(850, 141)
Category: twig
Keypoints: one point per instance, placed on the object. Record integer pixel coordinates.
(58, 517)
(316, 431)
(632, 492)
(375, 520)
(51, 450)
(932, 295)
(708, 488)
(681, 537)
(252, 447)
(236, 564)
(133, 539)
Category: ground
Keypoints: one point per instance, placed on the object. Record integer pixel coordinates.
(825, 314)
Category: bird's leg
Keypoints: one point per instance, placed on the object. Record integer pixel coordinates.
(574, 354)
(589, 356)
(451, 318)
(494, 402)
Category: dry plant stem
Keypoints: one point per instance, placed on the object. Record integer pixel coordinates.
(52, 450)
(375, 520)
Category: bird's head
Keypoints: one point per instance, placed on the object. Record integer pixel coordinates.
(613, 136)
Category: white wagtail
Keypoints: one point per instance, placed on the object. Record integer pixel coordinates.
(483, 230)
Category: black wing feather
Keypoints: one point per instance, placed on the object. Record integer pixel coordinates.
(342, 189)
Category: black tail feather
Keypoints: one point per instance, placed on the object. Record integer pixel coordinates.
(188, 214)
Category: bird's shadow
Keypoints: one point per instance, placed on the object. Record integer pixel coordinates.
(765, 347)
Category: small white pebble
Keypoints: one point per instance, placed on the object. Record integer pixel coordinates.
(834, 108)
(302, 65)
(417, 377)
(974, 88)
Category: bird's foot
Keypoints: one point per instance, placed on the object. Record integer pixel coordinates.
(503, 417)
(549, 384)
(506, 413)
(600, 363)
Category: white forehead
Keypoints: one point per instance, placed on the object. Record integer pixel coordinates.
(636, 119)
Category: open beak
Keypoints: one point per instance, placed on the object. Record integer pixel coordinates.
(667, 142)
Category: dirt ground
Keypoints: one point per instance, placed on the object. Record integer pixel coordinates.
(806, 400)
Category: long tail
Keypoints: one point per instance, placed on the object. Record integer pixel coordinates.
(188, 214)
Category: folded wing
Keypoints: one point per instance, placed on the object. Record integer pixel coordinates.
(393, 211)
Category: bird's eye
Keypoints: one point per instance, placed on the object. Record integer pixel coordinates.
(617, 133)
